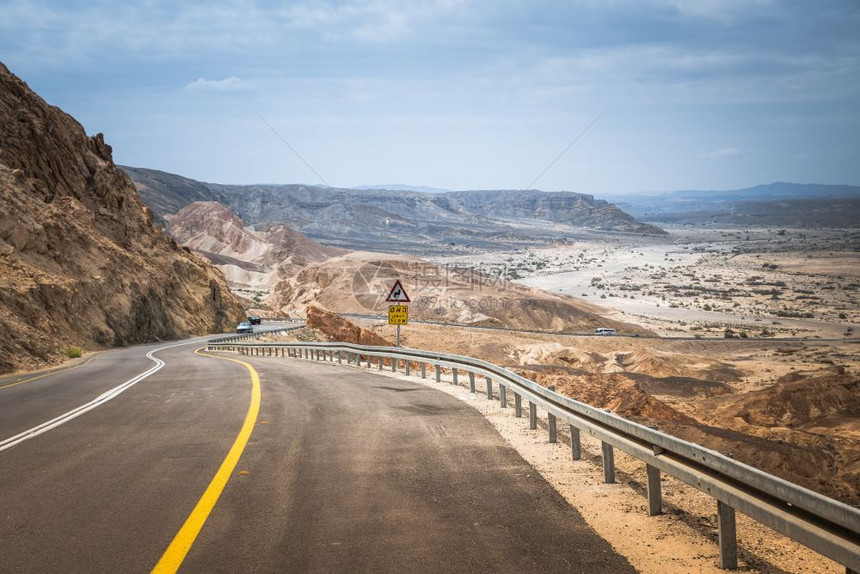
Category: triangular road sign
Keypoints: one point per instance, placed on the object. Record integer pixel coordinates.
(397, 294)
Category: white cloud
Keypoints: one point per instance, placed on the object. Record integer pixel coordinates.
(231, 84)
(726, 152)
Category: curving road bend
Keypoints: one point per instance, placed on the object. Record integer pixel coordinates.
(345, 471)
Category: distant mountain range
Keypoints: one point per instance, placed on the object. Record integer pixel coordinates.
(403, 187)
(399, 221)
(783, 204)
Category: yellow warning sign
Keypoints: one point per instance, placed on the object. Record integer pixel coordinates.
(398, 314)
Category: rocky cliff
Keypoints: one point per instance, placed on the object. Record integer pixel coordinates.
(81, 259)
(249, 258)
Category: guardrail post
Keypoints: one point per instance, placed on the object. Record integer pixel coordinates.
(608, 463)
(340, 357)
(455, 376)
(379, 362)
(407, 367)
(438, 373)
(503, 398)
(655, 499)
(553, 428)
(368, 361)
(489, 389)
(518, 405)
(727, 534)
(471, 382)
(394, 361)
(532, 416)
(423, 370)
(575, 443)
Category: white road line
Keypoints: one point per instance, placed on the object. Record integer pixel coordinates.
(100, 400)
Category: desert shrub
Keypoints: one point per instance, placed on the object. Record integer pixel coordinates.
(73, 352)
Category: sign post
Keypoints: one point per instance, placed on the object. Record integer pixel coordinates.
(398, 313)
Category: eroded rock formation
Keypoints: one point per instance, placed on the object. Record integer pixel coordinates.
(81, 260)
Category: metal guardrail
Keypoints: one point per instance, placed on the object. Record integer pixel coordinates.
(239, 337)
(827, 526)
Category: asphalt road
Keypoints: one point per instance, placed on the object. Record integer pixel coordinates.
(345, 471)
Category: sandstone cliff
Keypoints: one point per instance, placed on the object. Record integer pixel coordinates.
(249, 258)
(81, 260)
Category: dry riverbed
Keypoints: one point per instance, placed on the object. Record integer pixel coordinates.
(703, 282)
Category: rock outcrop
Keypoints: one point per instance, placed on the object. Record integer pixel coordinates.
(336, 328)
(81, 260)
(249, 258)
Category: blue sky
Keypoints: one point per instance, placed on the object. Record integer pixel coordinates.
(457, 94)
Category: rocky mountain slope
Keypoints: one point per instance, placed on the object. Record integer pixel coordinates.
(400, 221)
(249, 258)
(81, 259)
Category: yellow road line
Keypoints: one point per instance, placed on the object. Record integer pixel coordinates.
(9, 386)
(172, 558)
